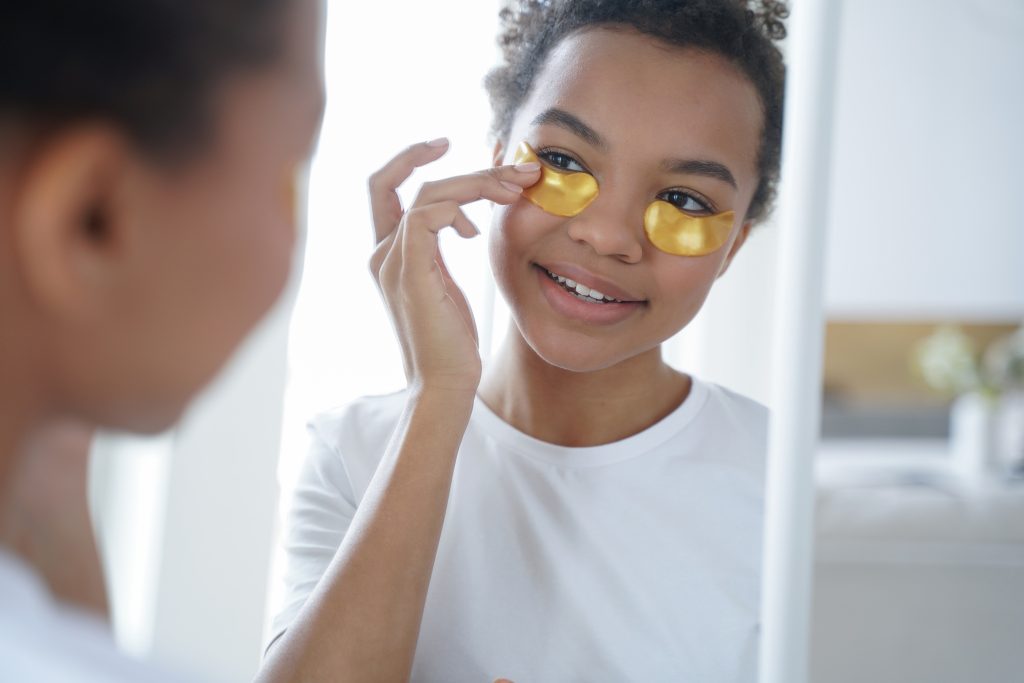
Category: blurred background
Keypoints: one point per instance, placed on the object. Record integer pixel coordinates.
(920, 547)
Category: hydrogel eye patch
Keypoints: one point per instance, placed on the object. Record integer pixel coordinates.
(676, 232)
(567, 193)
(562, 193)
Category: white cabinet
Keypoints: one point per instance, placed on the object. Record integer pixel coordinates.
(914, 583)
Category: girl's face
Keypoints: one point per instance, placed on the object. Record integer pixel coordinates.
(647, 121)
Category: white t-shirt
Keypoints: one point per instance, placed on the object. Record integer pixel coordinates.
(637, 560)
(44, 641)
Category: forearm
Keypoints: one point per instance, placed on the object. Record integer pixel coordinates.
(362, 621)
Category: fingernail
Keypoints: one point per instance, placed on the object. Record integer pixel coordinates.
(511, 187)
(528, 166)
(438, 142)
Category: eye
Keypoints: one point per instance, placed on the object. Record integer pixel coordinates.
(686, 202)
(561, 161)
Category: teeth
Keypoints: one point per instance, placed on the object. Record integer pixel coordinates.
(582, 291)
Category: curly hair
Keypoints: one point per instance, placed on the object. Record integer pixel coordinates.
(147, 67)
(742, 31)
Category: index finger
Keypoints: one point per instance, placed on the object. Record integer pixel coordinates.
(385, 206)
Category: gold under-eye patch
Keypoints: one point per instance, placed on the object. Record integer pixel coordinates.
(562, 193)
(676, 232)
(567, 193)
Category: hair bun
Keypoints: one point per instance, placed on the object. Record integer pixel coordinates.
(769, 16)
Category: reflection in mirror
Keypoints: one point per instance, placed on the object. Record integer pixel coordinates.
(921, 501)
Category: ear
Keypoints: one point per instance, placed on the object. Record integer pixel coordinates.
(741, 237)
(65, 220)
(498, 154)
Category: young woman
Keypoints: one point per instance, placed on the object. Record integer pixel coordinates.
(595, 514)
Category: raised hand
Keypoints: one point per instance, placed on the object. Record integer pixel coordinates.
(431, 316)
(363, 620)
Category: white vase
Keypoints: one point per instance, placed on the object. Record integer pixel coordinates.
(972, 430)
(1008, 433)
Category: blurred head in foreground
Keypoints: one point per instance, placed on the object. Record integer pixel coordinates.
(147, 155)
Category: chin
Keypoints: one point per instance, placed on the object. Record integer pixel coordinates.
(166, 399)
(158, 422)
(580, 355)
(144, 415)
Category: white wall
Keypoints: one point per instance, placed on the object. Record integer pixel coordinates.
(927, 217)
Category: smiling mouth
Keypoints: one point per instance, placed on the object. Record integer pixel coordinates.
(582, 291)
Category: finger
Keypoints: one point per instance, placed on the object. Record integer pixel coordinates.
(502, 184)
(385, 206)
(457, 296)
(380, 252)
(464, 226)
(420, 228)
(434, 218)
(424, 223)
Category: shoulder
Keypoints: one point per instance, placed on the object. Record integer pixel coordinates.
(367, 419)
(348, 442)
(742, 412)
(70, 660)
(737, 424)
(44, 640)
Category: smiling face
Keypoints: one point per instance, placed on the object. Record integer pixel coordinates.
(648, 121)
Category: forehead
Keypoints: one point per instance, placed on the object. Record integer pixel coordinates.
(660, 99)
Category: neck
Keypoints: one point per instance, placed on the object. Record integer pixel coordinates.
(580, 408)
(18, 420)
(44, 513)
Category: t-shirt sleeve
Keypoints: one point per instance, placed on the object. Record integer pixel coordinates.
(321, 511)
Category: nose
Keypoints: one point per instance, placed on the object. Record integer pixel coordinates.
(609, 231)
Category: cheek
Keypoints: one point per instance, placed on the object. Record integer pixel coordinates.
(234, 254)
(502, 246)
(262, 245)
(684, 283)
(254, 238)
(517, 233)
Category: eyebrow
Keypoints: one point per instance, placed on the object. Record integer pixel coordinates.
(710, 169)
(572, 123)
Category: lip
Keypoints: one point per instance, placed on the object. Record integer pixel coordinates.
(588, 279)
(571, 306)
